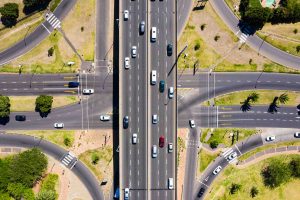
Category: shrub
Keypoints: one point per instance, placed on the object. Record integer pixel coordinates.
(295, 31)
(67, 141)
(202, 27)
(214, 144)
(216, 38)
(295, 167)
(234, 188)
(197, 46)
(82, 29)
(50, 52)
(95, 158)
(253, 192)
(298, 48)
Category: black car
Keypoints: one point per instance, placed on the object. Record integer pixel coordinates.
(142, 27)
(169, 49)
(20, 118)
(125, 121)
(73, 84)
(201, 192)
(162, 86)
(298, 109)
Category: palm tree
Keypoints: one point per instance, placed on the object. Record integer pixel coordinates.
(283, 98)
(254, 97)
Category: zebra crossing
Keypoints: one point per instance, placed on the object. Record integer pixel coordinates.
(53, 20)
(69, 160)
(243, 38)
(228, 152)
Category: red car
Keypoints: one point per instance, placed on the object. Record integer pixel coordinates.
(161, 141)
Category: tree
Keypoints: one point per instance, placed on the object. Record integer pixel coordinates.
(276, 173)
(253, 192)
(234, 188)
(67, 141)
(4, 106)
(34, 5)
(283, 98)
(9, 14)
(50, 52)
(252, 98)
(257, 16)
(46, 195)
(197, 46)
(5, 196)
(28, 194)
(95, 158)
(15, 190)
(28, 167)
(43, 104)
(295, 167)
(298, 48)
(214, 144)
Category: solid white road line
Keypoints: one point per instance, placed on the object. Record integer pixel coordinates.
(46, 28)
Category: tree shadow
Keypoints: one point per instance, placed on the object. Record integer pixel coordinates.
(246, 106)
(200, 5)
(41, 5)
(4, 120)
(273, 106)
(42, 114)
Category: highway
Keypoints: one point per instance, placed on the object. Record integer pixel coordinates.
(163, 17)
(83, 173)
(133, 100)
(33, 39)
(240, 148)
(259, 45)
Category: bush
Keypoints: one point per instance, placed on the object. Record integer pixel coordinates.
(50, 52)
(46, 195)
(197, 46)
(4, 106)
(202, 27)
(214, 144)
(9, 14)
(276, 173)
(67, 141)
(95, 158)
(298, 48)
(253, 192)
(234, 188)
(216, 38)
(295, 31)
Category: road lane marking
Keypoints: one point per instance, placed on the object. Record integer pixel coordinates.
(238, 149)
(46, 28)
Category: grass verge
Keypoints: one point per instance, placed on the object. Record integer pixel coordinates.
(265, 97)
(180, 148)
(249, 177)
(223, 135)
(56, 136)
(54, 4)
(205, 159)
(27, 103)
(105, 156)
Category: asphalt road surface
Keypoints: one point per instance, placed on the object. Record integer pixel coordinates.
(254, 41)
(25, 141)
(33, 39)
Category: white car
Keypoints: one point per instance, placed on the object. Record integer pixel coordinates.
(192, 123)
(297, 135)
(58, 125)
(154, 119)
(171, 92)
(217, 170)
(154, 151)
(126, 193)
(270, 138)
(170, 183)
(170, 147)
(126, 63)
(88, 91)
(126, 15)
(133, 51)
(232, 156)
(134, 138)
(104, 117)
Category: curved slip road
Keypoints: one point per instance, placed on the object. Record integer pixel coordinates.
(57, 152)
(41, 32)
(254, 41)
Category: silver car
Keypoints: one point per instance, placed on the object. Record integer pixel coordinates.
(133, 52)
(217, 170)
(58, 125)
(270, 138)
(88, 91)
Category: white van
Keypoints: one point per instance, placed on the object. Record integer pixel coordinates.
(170, 183)
(153, 77)
(153, 34)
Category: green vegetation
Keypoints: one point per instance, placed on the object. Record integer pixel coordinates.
(205, 159)
(223, 135)
(105, 156)
(48, 188)
(54, 4)
(95, 158)
(251, 181)
(55, 136)
(43, 104)
(265, 97)
(4, 106)
(9, 14)
(180, 148)
(20, 172)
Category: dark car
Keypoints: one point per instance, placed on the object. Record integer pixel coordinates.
(73, 84)
(162, 86)
(169, 49)
(20, 118)
(161, 141)
(142, 27)
(201, 192)
(125, 122)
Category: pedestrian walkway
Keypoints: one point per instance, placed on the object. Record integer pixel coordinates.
(53, 20)
(69, 160)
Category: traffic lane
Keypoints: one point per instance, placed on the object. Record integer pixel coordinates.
(183, 11)
(284, 135)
